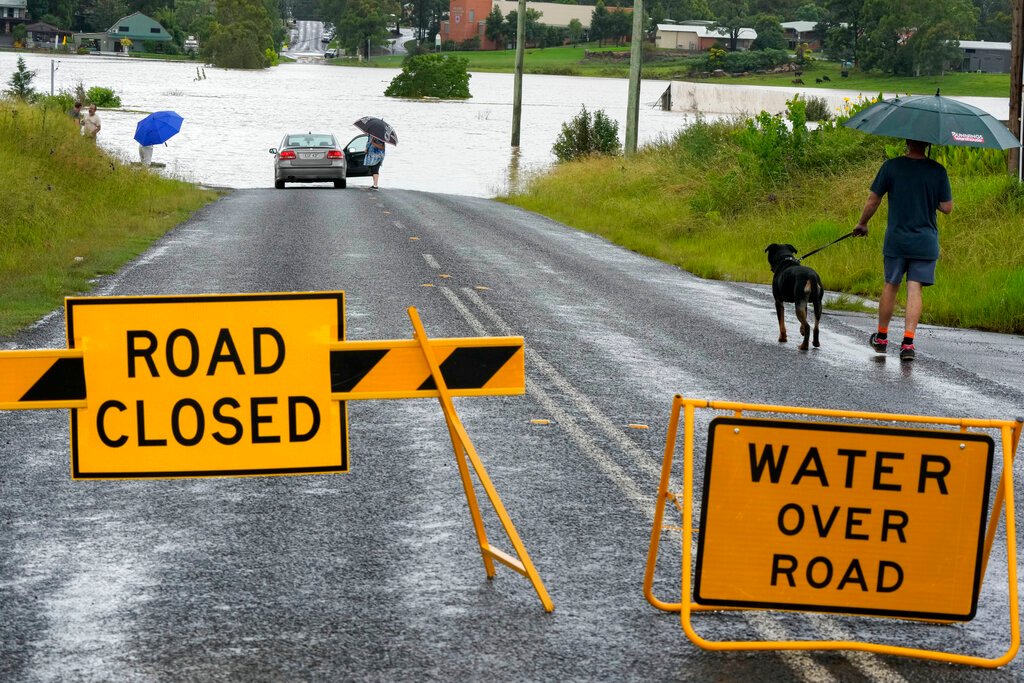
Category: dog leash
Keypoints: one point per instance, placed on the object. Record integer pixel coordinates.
(812, 253)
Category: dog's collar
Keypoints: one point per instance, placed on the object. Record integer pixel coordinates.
(785, 261)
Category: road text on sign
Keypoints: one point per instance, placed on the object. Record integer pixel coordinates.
(211, 385)
(843, 518)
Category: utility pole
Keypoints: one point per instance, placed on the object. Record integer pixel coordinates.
(636, 55)
(517, 95)
(1016, 74)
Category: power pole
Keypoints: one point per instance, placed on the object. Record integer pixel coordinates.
(517, 95)
(636, 54)
(1016, 74)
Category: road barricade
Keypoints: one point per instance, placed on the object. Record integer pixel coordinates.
(848, 517)
(250, 385)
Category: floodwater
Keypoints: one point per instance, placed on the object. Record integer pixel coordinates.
(233, 117)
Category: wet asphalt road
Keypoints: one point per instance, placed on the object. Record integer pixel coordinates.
(374, 575)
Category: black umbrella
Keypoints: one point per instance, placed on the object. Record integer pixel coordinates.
(378, 128)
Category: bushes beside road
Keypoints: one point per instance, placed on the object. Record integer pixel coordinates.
(71, 212)
(710, 199)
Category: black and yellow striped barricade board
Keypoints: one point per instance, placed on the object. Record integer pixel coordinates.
(839, 517)
(471, 366)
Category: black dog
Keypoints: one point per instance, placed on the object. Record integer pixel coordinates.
(796, 284)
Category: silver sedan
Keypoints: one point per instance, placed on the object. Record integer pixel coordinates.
(309, 158)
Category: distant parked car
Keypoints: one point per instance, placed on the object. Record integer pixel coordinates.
(330, 54)
(318, 158)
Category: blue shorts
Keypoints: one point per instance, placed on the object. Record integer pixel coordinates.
(916, 270)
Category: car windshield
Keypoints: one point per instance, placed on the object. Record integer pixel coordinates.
(312, 140)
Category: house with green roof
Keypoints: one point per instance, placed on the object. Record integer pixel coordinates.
(126, 35)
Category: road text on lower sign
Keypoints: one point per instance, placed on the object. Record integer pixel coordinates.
(843, 518)
(211, 385)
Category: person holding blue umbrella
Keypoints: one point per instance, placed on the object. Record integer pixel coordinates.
(155, 129)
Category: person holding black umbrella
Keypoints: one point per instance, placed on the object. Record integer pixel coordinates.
(380, 133)
(916, 186)
(374, 158)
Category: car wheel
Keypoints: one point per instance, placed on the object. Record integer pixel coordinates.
(340, 184)
(279, 184)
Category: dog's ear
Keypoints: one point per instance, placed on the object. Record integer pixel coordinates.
(792, 248)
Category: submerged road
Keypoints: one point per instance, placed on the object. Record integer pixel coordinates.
(374, 575)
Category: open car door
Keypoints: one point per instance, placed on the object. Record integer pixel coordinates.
(355, 154)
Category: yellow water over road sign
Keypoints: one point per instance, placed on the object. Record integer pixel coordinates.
(843, 518)
(185, 386)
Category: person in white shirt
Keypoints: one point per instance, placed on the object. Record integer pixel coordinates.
(91, 123)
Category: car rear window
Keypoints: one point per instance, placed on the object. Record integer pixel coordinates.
(310, 141)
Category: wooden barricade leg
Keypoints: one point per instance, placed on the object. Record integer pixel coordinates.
(464, 450)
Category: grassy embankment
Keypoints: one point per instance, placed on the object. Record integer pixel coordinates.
(570, 61)
(702, 201)
(71, 212)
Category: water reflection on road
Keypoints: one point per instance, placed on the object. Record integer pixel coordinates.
(233, 117)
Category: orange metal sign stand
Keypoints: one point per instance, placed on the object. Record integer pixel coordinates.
(853, 498)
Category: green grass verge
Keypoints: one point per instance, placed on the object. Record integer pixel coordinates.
(698, 202)
(71, 212)
(570, 61)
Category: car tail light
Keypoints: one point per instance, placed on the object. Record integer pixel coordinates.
(286, 154)
(334, 154)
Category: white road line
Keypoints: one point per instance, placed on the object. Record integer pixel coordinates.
(431, 261)
(800, 662)
(867, 663)
(611, 430)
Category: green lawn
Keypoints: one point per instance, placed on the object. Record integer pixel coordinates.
(570, 61)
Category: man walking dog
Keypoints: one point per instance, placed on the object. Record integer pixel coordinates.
(916, 186)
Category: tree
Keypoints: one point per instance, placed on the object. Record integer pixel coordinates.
(843, 28)
(994, 20)
(935, 42)
(599, 23)
(620, 25)
(769, 33)
(21, 82)
(685, 10)
(240, 36)
(105, 12)
(364, 22)
(809, 12)
(575, 31)
(194, 17)
(532, 27)
(914, 36)
(432, 75)
(654, 17)
(730, 17)
(494, 27)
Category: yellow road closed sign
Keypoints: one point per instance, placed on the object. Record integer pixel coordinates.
(843, 518)
(210, 385)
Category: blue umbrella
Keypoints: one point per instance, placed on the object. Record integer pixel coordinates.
(157, 128)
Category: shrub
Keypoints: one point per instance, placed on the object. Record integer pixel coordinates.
(587, 134)
(433, 75)
(817, 109)
(102, 97)
(470, 43)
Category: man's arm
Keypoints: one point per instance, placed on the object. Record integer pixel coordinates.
(874, 201)
(946, 207)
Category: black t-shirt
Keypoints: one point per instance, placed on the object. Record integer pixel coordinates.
(915, 187)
